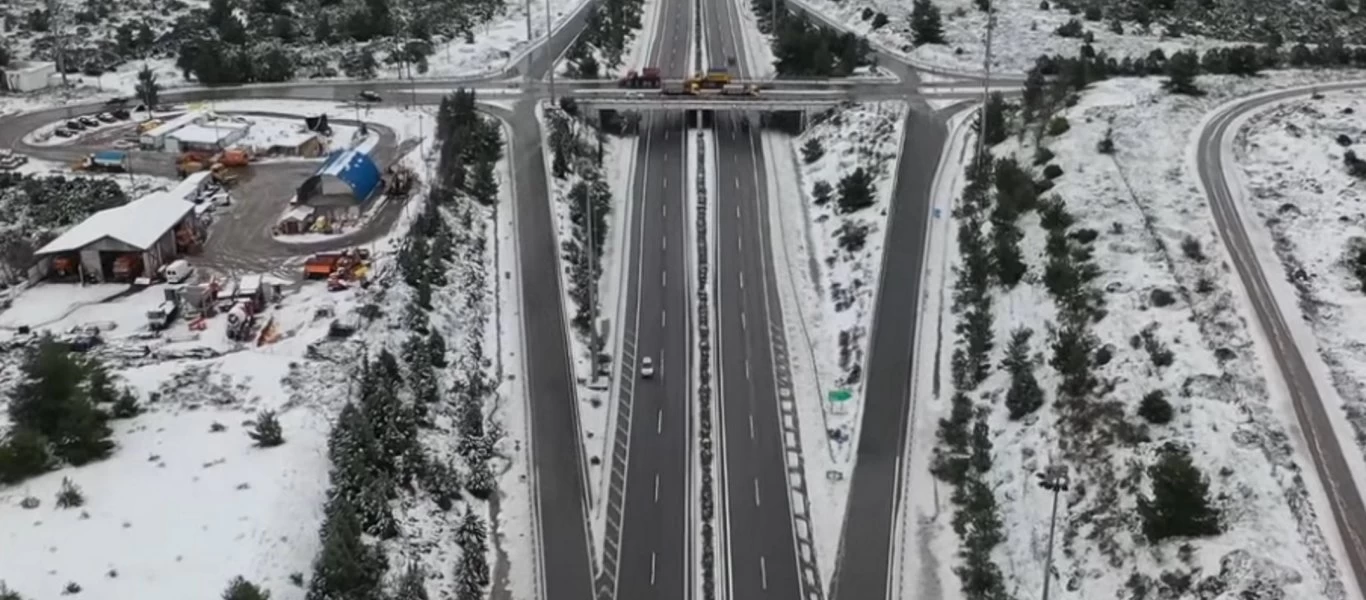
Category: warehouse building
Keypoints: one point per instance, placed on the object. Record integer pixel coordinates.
(342, 185)
(123, 243)
(155, 138)
(27, 76)
(208, 137)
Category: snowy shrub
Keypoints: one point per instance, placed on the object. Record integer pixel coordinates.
(1343, 140)
(1155, 408)
(1052, 171)
(266, 431)
(1191, 248)
(1058, 126)
(1092, 13)
(1042, 155)
(856, 191)
(69, 496)
(821, 192)
(1071, 29)
(812, 151)
(853, 236)
(1107, 144)
(71, 588)
(1161, 298)
(241, 589)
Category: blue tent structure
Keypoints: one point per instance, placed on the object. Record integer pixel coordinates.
(346, 177)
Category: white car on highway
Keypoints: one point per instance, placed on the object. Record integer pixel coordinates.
(647, 367)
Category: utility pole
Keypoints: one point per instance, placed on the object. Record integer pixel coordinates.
(986, 89)
(530, 37)
(1053, 479)
(55, 24)
(550, 52)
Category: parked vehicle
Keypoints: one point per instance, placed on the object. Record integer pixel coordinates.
(63, 133)
(10, 160)
(177, 272)
(163, 315)
(116, 101)
(121, 114)
(75, 125)
(369, 96)
(89, 121)
(647, 77)
(106, 117)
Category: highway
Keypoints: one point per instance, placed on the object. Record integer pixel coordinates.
(755, 498)
(648, 540)
(1314, 419)
(862, 571)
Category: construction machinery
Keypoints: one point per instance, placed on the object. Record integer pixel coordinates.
(714, 78)
(127, 267)
(647, 77)
(241, 317)
(347, 265)
(193, 162)
(107, 161)
(9, 160)
(398, 181)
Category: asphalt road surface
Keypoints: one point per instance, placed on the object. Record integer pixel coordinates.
(1313, 417)
(755, 497)
(653, 558)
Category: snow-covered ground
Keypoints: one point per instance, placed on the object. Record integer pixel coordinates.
(221, 506)
(1143, 203)
(264, 132)
(1023, 31)
(596, 401)
(1302, 196)
(827, 290)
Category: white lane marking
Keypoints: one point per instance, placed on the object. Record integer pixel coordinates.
(666, 134)
(666, 183)
(742, 321)
(756, 491)
(659, 428)
(652, 570)
(746, 368)
(664, 243)
(664, 209)
(751, 426)
(737, 211)
(737, 183)
(656, 487)
(666, 157)
(742, 280)
(663, 318)
(763, 571)
(663, 279)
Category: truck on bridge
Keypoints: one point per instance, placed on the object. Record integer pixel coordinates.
(647, 77)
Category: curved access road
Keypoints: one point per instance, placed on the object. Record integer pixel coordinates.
(1315, 420)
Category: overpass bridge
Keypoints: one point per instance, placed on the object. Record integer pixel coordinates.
(766, 100)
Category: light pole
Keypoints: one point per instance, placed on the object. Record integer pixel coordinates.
(986, 88)
(1053, 479)
(550, 51)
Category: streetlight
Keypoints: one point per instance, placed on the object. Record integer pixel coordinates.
(1053, 479)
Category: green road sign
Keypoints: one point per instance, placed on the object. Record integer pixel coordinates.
(839, 395)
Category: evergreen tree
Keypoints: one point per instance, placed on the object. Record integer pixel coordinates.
(927, 25)
(484, 184)
(481, 483)
(267, 432)
(1024, 396)
(51, 400)
(346, 567)
(472, 535)
(994, 128)
(1182, 68)
(147, 89)
(413, 584)
(5, 592)
(1180, 504)
(821, 192)
(856, 191)
(436, 348)
(812, 151)
(24, 454)
(241, 589)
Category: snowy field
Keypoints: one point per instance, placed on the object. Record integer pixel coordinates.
(1023, 31)
(1166, 286)
(1292, 158)
(596, 401)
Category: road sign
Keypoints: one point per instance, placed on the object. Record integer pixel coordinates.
(839, 395)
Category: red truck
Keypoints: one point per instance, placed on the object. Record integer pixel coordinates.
(647, 77)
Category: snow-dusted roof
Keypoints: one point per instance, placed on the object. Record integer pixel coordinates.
(139, 224)
(189, 187)
(353, 166)
(206, 134)
(293, 140)
(174, 124)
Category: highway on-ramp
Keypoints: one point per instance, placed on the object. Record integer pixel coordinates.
(1344, 499)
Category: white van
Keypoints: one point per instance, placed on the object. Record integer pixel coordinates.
(178, 271)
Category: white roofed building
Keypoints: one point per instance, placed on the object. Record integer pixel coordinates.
(125, 242)
(209, 136)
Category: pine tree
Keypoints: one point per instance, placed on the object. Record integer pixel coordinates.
(147, 89)
(472, 535)
(5, 592)
(927, 25)
(436, 350)
(812, 151)
(481, 483)
(1180, 504)
(241, 589)
(413, 585)
(24, 454)
(856, 191)
(995, 119)
(1024, 396)
(345, 566)
(484, 184)
(821, 192)
(52, 400)
(267, 432)
(1182, 68)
